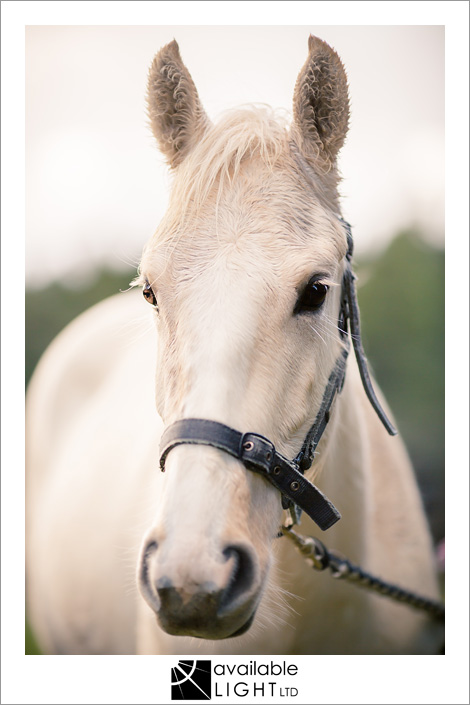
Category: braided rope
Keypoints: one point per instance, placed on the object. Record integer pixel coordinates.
(341, 568)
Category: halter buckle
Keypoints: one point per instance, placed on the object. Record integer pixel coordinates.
(258, 451)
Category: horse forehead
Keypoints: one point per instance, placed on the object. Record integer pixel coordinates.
(259, 230)
(259, 205)
(256, 259)
(235, 282)
(263, 219)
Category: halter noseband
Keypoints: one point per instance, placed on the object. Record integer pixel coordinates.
(259, 454)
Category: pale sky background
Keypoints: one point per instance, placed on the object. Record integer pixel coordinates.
(96, 185)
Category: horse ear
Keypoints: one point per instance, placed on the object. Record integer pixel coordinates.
(321, 105)
(177, 117)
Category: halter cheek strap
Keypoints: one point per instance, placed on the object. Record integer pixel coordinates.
(349, 313)
(305, 457)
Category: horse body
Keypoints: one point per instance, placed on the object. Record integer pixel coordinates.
(253, 215)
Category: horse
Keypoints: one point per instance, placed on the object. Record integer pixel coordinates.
(243, 318)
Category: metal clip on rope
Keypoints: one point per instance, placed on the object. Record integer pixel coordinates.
(320, 557)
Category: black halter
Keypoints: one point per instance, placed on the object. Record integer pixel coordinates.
(258, 454)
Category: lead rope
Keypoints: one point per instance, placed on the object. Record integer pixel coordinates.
(320, 558)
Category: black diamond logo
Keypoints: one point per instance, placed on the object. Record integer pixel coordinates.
(191, 680)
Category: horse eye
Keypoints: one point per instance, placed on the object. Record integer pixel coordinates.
(312, 297)
(149, 295)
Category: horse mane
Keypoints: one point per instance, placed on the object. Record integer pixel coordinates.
(240, 134)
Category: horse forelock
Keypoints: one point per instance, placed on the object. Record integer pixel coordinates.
(240, 134)
(251, 145)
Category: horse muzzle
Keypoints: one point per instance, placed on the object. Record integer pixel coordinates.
(216, 604)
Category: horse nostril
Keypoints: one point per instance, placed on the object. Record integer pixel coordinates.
(144, 577)
(241, 578)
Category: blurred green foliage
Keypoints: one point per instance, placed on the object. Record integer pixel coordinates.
(48, 310)
(402, 312)
(31, 648)
(401, 296)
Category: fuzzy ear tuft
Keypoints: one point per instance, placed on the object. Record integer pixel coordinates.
(321, 105)
(177, 117)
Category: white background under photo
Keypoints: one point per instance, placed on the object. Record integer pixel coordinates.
(95, 189)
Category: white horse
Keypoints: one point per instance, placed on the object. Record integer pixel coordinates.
(244, 280)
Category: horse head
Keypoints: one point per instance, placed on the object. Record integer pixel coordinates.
(244, 274)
